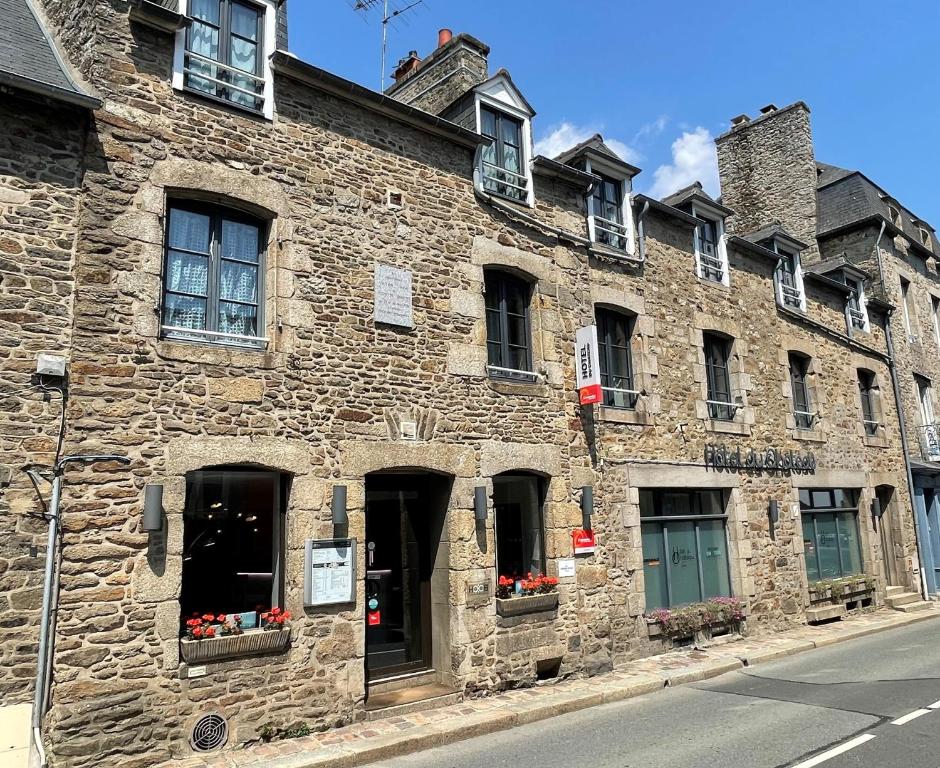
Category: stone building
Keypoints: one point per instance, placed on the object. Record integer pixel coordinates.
(336, 327)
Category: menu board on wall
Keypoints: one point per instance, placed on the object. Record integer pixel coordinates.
(329, 571)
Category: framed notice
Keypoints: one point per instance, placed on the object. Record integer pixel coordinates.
(329, 571)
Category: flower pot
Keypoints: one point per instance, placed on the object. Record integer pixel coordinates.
(517, 606)
(227, 647)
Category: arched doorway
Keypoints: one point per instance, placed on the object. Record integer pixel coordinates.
(407, 565)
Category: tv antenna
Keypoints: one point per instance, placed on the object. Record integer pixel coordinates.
(389, 14)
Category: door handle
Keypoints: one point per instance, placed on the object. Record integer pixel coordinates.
(675, 555)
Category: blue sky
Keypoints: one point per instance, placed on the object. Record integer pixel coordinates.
(661, 79)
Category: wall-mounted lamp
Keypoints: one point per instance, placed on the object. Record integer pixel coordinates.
(479, 503)
(153, 508)
(338, 505)
(587, 506)
(773, 516)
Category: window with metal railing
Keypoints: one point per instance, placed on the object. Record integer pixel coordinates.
(711, 265)
(614, 334)
(507, 326)
(868, 393)
(607, 214)
(717, 351)
(503, 162)
(799, 386)
(224, 53)
(788, 281)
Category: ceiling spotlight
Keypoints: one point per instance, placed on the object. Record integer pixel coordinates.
(216, 505)
(251, 518)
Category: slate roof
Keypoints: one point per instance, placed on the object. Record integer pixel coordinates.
(28, 59)
(771, 231)
(695, 193)
(596, 145)
(839, 263)
(845, 198)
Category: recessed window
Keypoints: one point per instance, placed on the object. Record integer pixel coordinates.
(503, 161)
(224, 55)
(855, 307)
(924, 236)
(803, 414)
(212, 275)
(614, 333)
(710, 256)
(607, 214)
(507, 326)
(831, 543)
(789, 280)
(935, 314)
(894, 213)
(868, 394)
(518, 499)
(233, 543)
(717, 351)
(907, 308)
(685, 546)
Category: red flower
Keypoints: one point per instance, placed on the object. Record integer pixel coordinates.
(208, 617)
(275, 611)
(221, 618)
(197, 632)
(210, 631)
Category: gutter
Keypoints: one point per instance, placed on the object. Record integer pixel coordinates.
(293, 68)
(39, 88)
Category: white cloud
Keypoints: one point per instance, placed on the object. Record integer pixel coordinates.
(565, 135)
(693, 159)
(650, 130)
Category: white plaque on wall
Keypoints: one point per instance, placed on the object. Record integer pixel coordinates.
(393, 296)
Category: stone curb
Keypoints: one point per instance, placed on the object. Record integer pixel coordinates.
(552, 704)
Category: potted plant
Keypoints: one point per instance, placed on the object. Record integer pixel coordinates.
(697, 618)
(211, 637)
(529, 595)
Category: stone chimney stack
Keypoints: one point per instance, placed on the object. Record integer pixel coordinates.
(768, 171)
(457, 64)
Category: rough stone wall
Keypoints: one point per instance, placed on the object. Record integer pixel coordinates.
(40, 179)
(444, 76)
(768, 173)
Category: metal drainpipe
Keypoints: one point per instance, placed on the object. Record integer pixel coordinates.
(907, 461)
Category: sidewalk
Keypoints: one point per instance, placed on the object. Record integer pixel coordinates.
(363, 743)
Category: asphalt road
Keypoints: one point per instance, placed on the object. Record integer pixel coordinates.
(799, 712)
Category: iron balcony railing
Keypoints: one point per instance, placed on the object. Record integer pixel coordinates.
(790, 295)
(611, 233)
(857, 317)
(722, 410)
(615, 397)
(930, 441)
(712, 267)
(498, 179)
(225, 87)
(805, 419)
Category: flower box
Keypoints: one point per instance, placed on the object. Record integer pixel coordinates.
(230, 646)
(517, 606)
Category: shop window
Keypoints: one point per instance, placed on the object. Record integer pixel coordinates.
(803, 414)
(868, 393)
(212, 284)
(717, 351)
(233, 542)
(831, 544)
(685, 547)
(223, 52)
(614, 335)
(507, 326)
(518, 499)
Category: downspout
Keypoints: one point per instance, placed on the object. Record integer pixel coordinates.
(902, 423)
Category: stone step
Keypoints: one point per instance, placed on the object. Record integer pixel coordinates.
(407, 700)
(412, 680)
(896, 601)
(825, 613)
(892, 591)
(920, 605)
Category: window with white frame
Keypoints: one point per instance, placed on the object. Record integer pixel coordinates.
(855, 305)
(223, 53)
(606, 215)
(504, 163)
(711, 257)
(212, 276)
(789, 279)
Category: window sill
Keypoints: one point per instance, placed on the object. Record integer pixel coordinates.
(519, 606)
(727, 427)
(624, 416)
(256, 642)
(220, 102)
(624, 256)
(713, 283)
(241, 357)
(808, 435)
(505, 386)
(875, 441)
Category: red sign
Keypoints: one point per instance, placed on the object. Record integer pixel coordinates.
(583, 542)
(591, 394)
(375, 618)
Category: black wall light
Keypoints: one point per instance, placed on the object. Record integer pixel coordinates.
(479, 503)
(773, 516)
(587, 506)
(338, 505)
(153, 508)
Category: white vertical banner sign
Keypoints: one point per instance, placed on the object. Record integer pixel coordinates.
(587, 365)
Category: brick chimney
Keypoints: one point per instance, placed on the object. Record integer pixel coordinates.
(457, 64)
(768, 171)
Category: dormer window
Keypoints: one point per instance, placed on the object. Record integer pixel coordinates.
(606, 214)
(789, 279)
(894, 213)
(855, 305)
(223, 54)
(503, 169)
(924, 235)
(711, 256)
